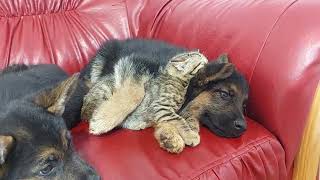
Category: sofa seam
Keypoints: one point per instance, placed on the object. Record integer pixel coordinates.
(161, 11)
(267, 38)
(128, 22)
(163, 15)
(251, 146)
(40, 14)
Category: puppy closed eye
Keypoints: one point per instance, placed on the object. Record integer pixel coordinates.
(225, 95)
(47, 170)
(244, 107)
(49, 166)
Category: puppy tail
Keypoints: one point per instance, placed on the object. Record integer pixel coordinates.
(14, 68)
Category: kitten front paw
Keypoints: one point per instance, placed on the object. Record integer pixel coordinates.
(191, 138)
(169, 139)
(172, 143)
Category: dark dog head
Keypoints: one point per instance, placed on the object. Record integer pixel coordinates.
(35, 142)
(219, 94)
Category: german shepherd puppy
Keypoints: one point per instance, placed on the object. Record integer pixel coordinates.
(218, 104)
(34, 139)
(138, 59)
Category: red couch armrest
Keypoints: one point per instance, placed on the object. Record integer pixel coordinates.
(274, 43)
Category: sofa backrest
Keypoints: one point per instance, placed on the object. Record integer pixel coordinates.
(66, 33)
(275, 44)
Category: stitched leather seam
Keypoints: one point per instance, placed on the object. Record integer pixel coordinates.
(158, 17)
(251, 146)
(40, 14)
(267, 38)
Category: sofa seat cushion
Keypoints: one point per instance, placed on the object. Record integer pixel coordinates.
(126, 154)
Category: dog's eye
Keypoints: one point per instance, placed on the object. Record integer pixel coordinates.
(49, 166)
(244, 107)
(47, 170)
(224, 94)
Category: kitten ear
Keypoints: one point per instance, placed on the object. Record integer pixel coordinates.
(6, 144)
(213, 72)
(55, 99)
(223, 58)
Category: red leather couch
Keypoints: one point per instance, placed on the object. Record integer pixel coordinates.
(276, 44)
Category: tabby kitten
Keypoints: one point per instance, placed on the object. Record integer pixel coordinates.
(164, 96)
(137, 84)
(175, 134)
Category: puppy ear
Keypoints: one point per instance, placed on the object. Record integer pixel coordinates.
(223, 58)
(54, 100)
(6, 144)
(213, 72)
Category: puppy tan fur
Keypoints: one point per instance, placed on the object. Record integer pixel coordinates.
(152, 79)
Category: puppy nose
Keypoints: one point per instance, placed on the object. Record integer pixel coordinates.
(94, 177)
(240, 125)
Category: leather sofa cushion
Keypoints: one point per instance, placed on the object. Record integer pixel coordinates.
(126, 154)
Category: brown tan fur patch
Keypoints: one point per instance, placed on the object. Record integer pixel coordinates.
(97, 94)
(23, 134)
(193, 111)
(54, 100)
(6, 144)
(45, 152)
(226, 71)
(113, 112)
(3, 169)
(64, 140)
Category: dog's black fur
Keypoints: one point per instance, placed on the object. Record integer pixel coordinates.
(34, 140)
(224, 116)
(148, 55)
(224, 112)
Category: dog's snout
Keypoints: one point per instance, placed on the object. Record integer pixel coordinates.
(90, 176)
(94, 177)
(240, 125)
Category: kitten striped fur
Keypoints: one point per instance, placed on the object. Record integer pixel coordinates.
(138, 84)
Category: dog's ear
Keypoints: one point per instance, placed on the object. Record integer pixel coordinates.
(54, 100)
(6, 144)
(213, 72)
(223, 58)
